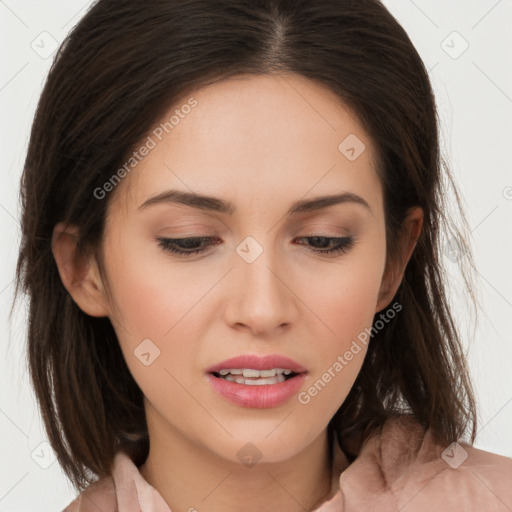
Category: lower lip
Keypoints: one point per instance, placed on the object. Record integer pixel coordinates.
(258, 397)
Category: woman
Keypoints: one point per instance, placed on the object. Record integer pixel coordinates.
(232, 215)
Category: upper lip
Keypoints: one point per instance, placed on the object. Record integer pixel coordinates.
(255, 362)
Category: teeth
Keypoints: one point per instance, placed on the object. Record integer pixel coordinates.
(233, 372)
(270, 380)
(251, 377)
(239, 379)
(251, 373)
(248, 372)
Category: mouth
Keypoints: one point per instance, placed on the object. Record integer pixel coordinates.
(257, 381)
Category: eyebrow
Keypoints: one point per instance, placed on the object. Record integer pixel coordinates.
(214, 204)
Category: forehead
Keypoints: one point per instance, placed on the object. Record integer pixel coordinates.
(254, 138)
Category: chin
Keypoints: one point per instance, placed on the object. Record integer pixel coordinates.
(262, 442)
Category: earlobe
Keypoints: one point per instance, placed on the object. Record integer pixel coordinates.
(78, 271)
(387, 288)
(394, 272)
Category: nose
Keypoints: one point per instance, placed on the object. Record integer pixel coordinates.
(261, 298)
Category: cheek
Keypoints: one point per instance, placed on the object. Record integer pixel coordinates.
(153, 298)
(347, 310)
(345, 295)
(153, 301)
(345, 299)
(154, 321)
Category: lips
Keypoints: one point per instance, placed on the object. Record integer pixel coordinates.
(243, 380)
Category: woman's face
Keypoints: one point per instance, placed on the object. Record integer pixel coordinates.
(263, 286)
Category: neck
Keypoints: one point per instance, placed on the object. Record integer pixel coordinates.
(190, 477)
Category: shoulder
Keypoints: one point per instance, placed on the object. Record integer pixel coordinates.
(100, 495)
(104, 494)
(414, 473)
(125, 490)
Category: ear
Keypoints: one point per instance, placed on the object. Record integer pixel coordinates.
(79, 272)
(394, 272)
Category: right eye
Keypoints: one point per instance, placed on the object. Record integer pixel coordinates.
(185, 246)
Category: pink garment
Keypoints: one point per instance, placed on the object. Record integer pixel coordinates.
(401, 469)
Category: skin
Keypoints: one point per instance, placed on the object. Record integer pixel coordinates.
(261, 142)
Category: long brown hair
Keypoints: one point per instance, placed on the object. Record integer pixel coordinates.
(113, 77)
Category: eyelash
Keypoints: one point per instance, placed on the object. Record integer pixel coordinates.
(168, 244)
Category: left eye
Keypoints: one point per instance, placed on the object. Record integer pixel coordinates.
(195, 245)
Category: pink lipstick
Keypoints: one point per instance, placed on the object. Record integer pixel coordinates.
(256, 381)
